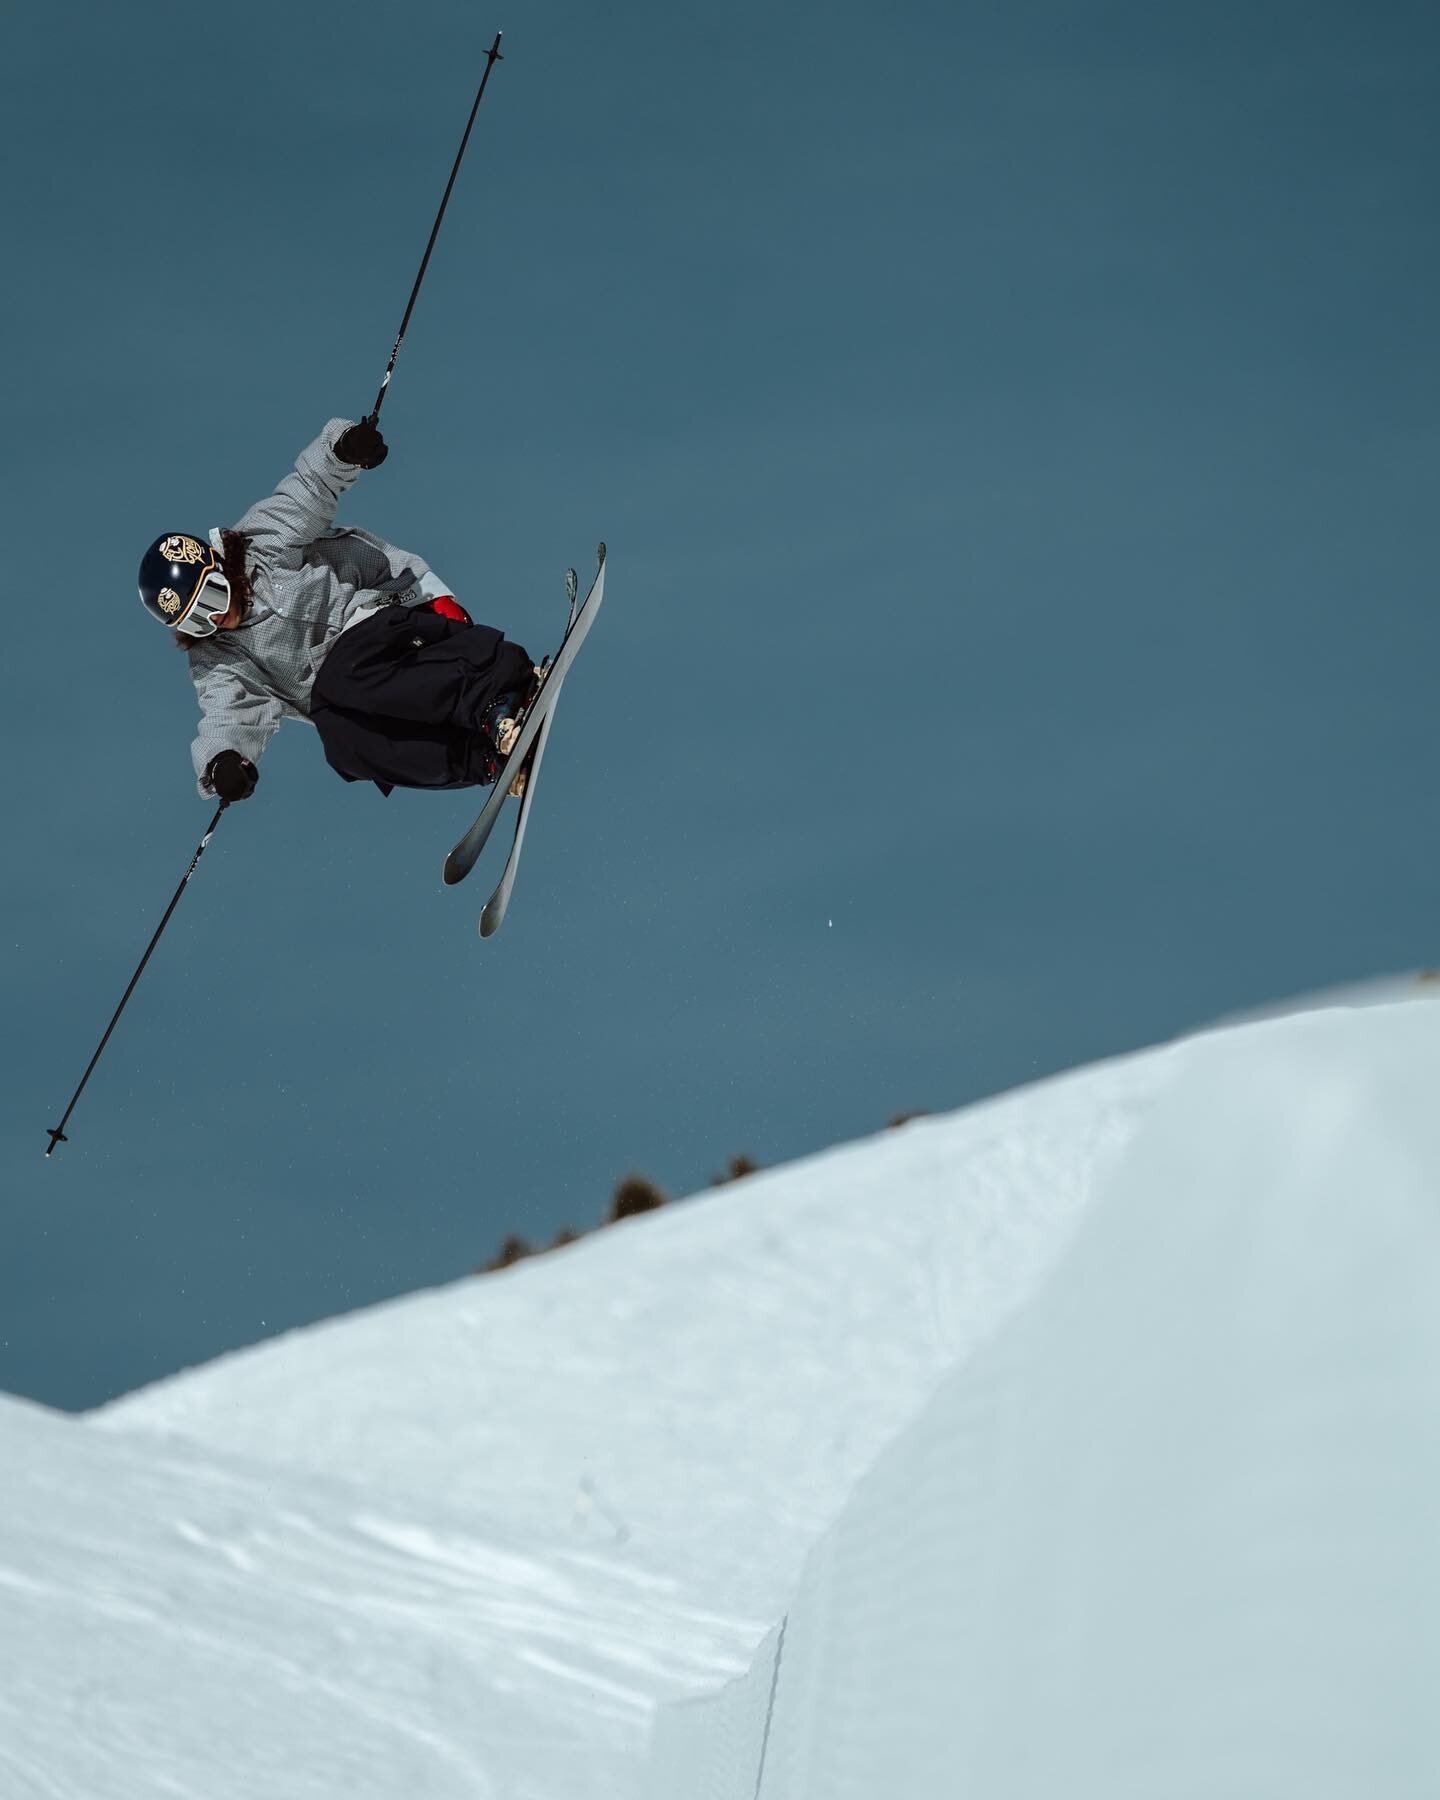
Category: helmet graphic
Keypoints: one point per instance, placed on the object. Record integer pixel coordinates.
(181, 584)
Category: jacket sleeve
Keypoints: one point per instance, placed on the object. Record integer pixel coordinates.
(236, 713)
(304, 503)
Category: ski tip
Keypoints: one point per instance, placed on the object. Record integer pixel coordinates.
(600, 553)
(452, 872)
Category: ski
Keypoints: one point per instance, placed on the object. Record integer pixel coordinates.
(463, 857)
(492, 915)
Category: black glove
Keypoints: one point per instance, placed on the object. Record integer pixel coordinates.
(363, 445)
(232, 775)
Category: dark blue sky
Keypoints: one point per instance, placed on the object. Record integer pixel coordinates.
(1015, 432)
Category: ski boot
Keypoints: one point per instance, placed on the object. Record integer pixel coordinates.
(503, 722)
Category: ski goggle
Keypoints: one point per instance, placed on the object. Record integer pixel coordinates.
(208, 608)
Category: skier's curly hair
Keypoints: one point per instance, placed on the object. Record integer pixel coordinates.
(233, 548)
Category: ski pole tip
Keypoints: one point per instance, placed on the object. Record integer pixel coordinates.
(56, 1136)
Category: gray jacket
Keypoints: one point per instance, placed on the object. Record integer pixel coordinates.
(310, 581)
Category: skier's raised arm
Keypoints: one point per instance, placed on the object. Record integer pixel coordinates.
(303, 505)
(238, 718)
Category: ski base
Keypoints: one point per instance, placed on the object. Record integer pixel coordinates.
(492, 915)
(466, 852)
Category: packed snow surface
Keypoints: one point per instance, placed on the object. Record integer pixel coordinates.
(1084, 1441)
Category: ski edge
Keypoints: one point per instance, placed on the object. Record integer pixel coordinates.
(466, 851)
(492, 914)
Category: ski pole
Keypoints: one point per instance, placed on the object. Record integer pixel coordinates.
(57, 1135)
(492, 57)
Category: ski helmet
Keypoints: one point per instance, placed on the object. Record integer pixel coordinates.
(181, 584)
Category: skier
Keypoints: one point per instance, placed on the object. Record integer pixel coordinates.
(284, 616)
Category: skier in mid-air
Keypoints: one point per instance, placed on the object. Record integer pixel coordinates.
(283, 616)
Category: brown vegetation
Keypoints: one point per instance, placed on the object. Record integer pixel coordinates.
(633, 1195)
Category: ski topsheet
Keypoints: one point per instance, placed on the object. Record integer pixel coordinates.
(463, 857)
(492, 915)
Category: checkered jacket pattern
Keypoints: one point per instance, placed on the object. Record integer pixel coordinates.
(309, 582)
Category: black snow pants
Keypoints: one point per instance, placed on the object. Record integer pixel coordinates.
(401, 699)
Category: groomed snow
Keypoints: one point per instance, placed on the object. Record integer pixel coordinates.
(1081, 1441)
